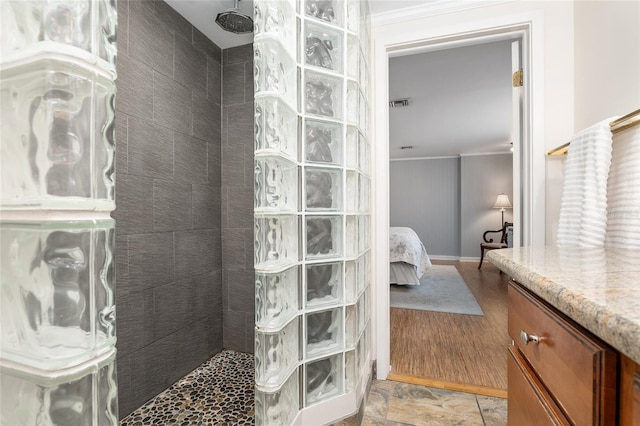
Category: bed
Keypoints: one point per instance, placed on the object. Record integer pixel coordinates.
(408, 257)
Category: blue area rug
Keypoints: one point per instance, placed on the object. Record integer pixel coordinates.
(441, 289)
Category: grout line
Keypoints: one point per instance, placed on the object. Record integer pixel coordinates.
(480, 409)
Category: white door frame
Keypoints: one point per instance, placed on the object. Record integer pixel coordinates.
(387, 43)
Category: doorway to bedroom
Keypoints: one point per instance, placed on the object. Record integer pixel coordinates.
(451, 139)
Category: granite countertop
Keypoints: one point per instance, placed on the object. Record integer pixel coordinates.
(598, 288)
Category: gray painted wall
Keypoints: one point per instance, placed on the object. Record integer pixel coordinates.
(168, 243)
(449, 201)
(425, 196)
(237, 198)
(482, 179)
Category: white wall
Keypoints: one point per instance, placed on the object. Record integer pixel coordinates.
(607, 60)
(606, 78)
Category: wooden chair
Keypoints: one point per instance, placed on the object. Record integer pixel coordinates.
(488, 244)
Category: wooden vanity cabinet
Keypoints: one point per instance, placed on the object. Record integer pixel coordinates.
(558, 372)
(629, 404)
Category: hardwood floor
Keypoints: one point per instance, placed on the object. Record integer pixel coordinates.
(453, 351)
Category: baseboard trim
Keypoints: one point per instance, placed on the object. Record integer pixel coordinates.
(454, 258)
(438, 257)
(443, 384)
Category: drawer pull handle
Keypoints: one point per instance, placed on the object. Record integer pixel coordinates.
(526, 338)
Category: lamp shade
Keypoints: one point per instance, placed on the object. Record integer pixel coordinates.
(502, 202)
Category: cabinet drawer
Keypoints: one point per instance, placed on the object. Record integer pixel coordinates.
(529, 403)
(577, 369)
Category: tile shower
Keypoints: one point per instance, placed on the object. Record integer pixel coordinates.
(168, 230)
(183, 244)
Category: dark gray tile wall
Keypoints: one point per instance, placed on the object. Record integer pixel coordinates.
(237, 198)
(168, 197)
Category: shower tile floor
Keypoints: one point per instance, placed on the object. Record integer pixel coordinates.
(220, 392)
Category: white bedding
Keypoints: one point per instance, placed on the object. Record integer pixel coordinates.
(405, 246)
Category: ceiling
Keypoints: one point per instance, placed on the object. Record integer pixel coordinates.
(460, 97)
(459, 101)
(202, 15)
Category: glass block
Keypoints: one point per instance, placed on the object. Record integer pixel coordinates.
(275, 184)
(353, 103)
(351, 236)
(324, 236)
(323, 142)
(323, 95)
(367, 311)
(324, 284)
(57, 288)
(363, 155)
(276, 354)
(352, 195)
(323, 189)
(279, 406)
(81, 28)
(365, 35)
(351, 326)
(353, 15)
(350, 371)
(353, 56)
(324, 331)
(324, 10)
(363, 113)
(364, 352)
(276, 297)
(363, 272)
(364, 233)
(276, 242)
(57, 146)
(323, 379)
(276, 19)
(323, 47)
(350, 280)
(363, 76)
(86, 396)
(276, 127)
(274, 70)
(365, 194)
(353, 140)
(362, 308)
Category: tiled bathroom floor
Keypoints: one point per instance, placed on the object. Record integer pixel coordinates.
(401, 404)
(220, 392)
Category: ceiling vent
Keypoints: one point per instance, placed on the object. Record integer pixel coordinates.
(399, 103)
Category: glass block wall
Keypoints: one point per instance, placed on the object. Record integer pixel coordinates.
(312, 204)
(57, 309)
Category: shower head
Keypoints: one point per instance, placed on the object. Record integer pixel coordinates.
(235, 21)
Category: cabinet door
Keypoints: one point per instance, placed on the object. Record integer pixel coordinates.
(577, 368)
(528, 403)
(636, 399)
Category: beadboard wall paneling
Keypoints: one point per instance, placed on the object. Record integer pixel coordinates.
(483, 177)
(425, 196)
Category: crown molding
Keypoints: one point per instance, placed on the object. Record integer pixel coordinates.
(432, 8)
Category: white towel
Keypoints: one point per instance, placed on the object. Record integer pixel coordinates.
(583, 210)
(623, 191)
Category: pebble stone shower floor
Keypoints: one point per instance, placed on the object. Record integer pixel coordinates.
(218, 392)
